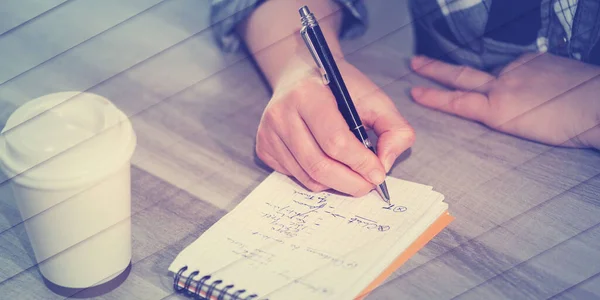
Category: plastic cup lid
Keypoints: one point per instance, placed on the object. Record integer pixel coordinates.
(65, 139)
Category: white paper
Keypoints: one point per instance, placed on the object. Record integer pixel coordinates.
(284, 242)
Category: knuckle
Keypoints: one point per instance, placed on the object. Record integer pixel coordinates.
(461, 72)
(409, 135)
(363, 163)
(335, 144)
(456, 103)
(308, 182)
(271, 116)
(317, 170)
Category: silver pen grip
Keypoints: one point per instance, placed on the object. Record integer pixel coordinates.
(313, 52)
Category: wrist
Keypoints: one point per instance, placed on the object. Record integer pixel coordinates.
(302, 67)
(292, 60)
(275, 48)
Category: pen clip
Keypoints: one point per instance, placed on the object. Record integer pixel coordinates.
(313, 52)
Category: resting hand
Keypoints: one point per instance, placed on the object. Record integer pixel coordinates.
(541, 97)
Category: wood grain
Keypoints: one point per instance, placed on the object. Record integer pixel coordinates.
(527, 215)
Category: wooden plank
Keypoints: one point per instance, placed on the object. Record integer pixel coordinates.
(68, 26)
(147, 34)
(193, 216)
(159, 222)
(505, 247)
(183, 150)
(112, 52)
(549, 273)
(586, 289)
(16, 253)
(16, 13)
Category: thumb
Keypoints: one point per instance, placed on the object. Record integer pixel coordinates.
(394, 133)
(395, 138)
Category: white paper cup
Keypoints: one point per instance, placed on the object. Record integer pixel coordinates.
(68, 155)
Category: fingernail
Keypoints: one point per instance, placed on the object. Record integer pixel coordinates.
(376, 177)
(417, 91)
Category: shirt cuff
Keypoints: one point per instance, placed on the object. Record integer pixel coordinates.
(225, 15)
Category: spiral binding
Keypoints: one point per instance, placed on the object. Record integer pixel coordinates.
(212, 291)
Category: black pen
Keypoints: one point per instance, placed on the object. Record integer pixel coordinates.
(315, 41)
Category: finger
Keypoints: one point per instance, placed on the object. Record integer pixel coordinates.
(458, 77)
(282, 160)
(394, 133)
(470, 105)
(292, 165)
(318, 165)
(269, 159)
(334, 137)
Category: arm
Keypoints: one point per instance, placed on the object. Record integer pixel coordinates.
(272, 34)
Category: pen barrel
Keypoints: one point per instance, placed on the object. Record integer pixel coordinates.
(361, 134)
(336, 83)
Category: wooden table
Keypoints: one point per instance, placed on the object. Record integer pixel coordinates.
(527, 215)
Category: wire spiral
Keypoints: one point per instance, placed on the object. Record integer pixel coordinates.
(212, 289)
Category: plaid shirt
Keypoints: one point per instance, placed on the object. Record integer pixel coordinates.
(226, 14)
(465, 30)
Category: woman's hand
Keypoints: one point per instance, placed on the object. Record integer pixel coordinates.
(303, 134)
(541, 97)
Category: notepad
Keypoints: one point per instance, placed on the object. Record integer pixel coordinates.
(285, 242)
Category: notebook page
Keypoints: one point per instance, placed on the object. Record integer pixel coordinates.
(386, 256)
(287, 243)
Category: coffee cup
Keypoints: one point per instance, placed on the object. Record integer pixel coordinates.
(68, 158)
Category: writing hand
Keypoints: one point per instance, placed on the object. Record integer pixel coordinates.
(303, 134)
(541, 97)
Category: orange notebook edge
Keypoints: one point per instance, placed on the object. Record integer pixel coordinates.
(442, 221)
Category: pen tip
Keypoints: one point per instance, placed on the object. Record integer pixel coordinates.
(383, 191)
(386, 194)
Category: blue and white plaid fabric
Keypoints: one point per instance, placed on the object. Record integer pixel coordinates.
(226, 14)
(568, 28)
(565, 11)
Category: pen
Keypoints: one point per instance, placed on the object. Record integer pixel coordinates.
(315, 41)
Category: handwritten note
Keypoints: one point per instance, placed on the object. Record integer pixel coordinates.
(284, 242)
